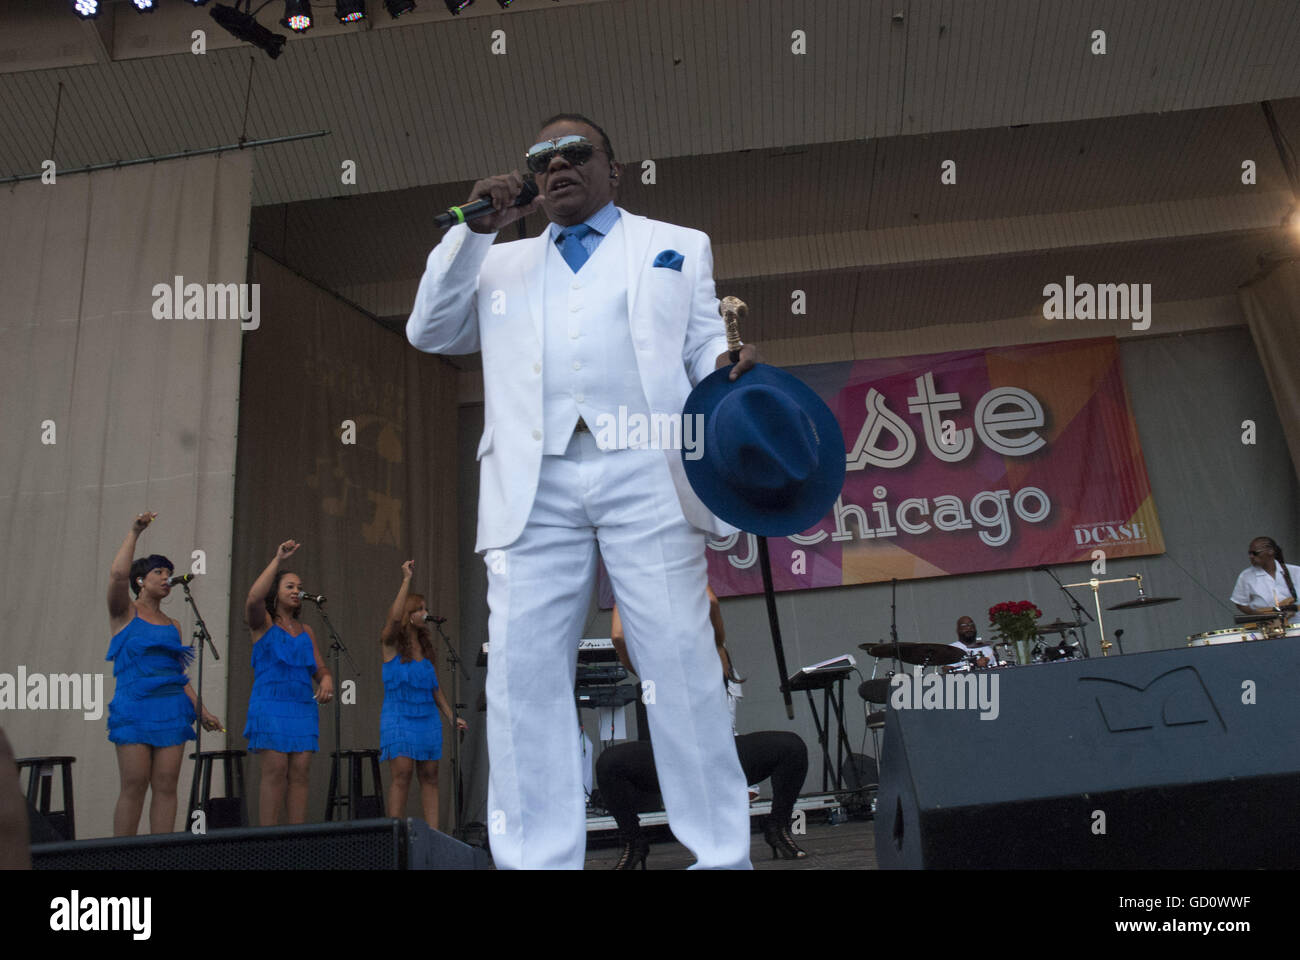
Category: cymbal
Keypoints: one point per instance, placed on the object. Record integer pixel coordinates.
(917, 654)
(1143, 602)
(1058, 626)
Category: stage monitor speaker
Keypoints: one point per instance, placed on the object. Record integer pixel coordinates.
(383, 844)
(1185, 758)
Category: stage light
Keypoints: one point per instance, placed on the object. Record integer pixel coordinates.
(144, 6)
(456, 6)
(86, 9)
(350, 11)
(505, 3)
(198, 3)
(297, 15)
(398, 7)
(244, 27)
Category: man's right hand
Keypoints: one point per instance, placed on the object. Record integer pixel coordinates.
(503, 190)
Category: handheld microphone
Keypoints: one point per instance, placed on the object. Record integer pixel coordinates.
(183, 578)
(315, 598)
(430, 618)
(483, 206)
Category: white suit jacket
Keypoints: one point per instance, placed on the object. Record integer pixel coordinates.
(477, 295)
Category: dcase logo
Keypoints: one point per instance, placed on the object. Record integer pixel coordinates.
(1100, 534)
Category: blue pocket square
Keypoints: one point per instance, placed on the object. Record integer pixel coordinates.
(670, 259)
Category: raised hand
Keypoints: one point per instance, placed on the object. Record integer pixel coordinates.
(286, 549)
(142, 521)
(408, 569)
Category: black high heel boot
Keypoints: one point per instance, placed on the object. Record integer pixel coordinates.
(779, 839)
(635, 848)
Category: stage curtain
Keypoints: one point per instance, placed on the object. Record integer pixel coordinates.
(347, 444)
(1272, 307)
(110, 411)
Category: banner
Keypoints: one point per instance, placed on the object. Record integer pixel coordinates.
(966, 462)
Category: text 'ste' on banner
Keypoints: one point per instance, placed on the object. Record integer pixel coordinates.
(965, 462)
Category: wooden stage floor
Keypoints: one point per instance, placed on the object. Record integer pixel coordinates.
(845, 846)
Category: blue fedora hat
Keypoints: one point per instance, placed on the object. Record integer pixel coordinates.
(772, 458)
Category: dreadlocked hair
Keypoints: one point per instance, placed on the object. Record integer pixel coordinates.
(1281, 562)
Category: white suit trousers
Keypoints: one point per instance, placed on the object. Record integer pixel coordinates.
(539, 589)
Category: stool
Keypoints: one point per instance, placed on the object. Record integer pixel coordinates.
(41, 772)
(355, 805)
(218, 812)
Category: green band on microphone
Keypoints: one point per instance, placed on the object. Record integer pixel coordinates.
(460, 216)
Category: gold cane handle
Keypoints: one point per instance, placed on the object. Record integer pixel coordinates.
(733, 310)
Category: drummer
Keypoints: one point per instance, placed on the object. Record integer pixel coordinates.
(1267, 586)
(974, 650)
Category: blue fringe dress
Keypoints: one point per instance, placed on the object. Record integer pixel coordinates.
(410, 724)
(282, 711)
(149, 703)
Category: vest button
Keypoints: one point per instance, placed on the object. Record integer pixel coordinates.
(537, 434)
(537, 368)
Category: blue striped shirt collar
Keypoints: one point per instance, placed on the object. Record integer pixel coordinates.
(602, 221)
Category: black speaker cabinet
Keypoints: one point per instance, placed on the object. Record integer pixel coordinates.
(383, 844)
(1179, 758)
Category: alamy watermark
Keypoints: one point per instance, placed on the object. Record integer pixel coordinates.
(656, 431)
(208, 301)
(951, 691)
(75, 913)
(54, 691)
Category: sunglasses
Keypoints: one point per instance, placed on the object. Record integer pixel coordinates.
(575, 151)
(1257, 553)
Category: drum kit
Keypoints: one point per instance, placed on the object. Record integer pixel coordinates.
(1071, 644)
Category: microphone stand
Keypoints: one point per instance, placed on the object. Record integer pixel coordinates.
(1078, 608)
(200, 634)
(342, 798)
(456, 665)
(893, 623)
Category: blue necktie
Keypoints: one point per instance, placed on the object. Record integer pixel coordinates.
(571, 248)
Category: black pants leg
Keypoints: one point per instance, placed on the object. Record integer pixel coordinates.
(778, 754)
(625, 775)
(628, 783)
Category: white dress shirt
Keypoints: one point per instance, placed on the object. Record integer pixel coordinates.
(1255, 588)
(589, 362)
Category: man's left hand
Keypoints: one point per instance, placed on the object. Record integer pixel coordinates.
(748, 357)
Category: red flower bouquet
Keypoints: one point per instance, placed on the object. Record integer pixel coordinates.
(1016, 623)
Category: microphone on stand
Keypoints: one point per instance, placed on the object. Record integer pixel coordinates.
(483, 206)
(183, 578)
(430, 618)
(315, 598)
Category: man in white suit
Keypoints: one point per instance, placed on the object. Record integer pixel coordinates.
(604, 313)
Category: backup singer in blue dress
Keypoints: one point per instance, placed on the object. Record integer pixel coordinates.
(283, 725)
(153, 708)
(410, 726)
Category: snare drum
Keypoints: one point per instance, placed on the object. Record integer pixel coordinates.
(1215, 637)
(1237, 635)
